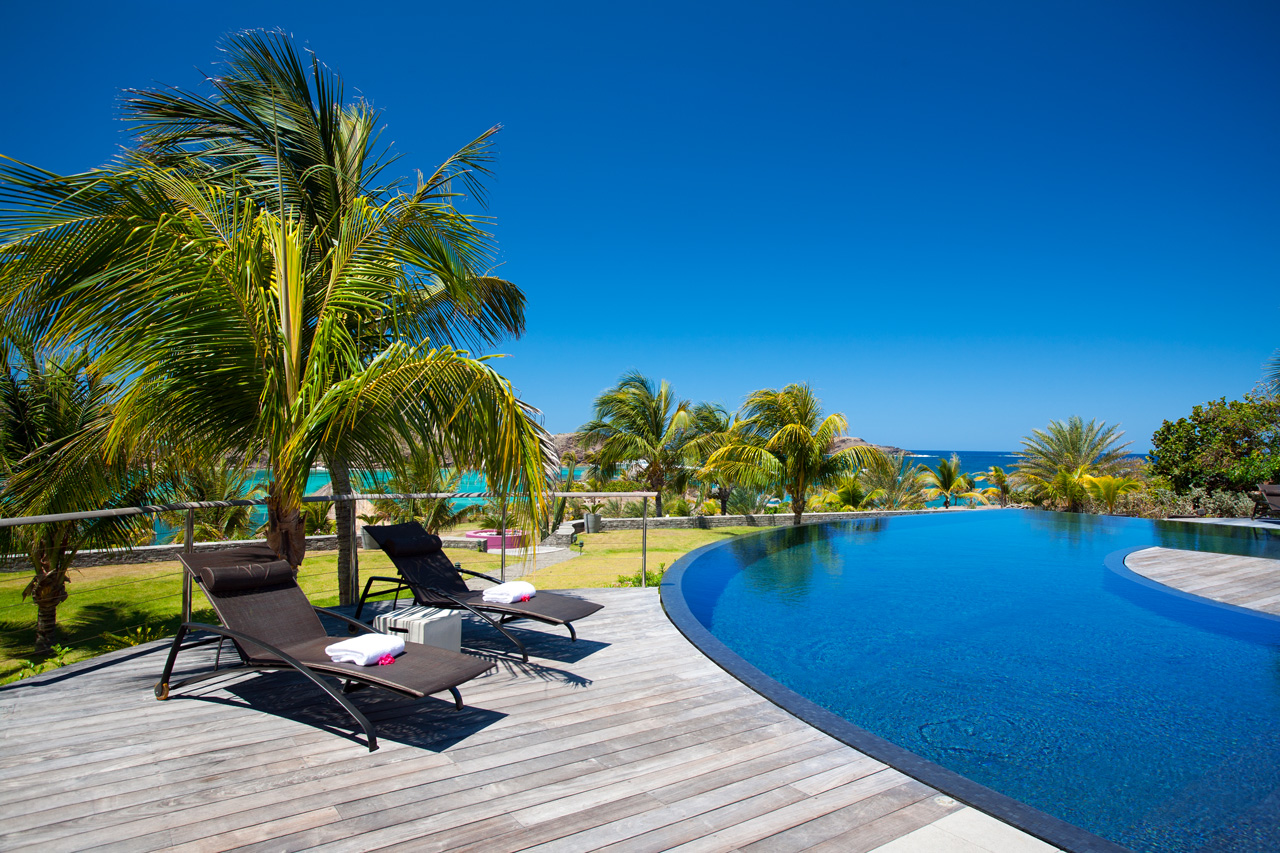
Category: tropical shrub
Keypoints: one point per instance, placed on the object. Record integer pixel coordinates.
(1222, 503)
(1107, 491)
(678, 506)
(1221, 445)
(846, 495)
(317, 519)
(1155, 501)
(651, 578)
(134, 637)
(744, 501)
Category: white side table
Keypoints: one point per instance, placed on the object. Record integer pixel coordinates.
(427, 625)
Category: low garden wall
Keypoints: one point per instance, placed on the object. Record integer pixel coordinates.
(163, 553)
(707, 522)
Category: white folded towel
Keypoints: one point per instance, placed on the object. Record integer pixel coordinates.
(510, 592)
(366, 649)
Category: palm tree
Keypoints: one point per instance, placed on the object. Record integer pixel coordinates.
(892, 481)
(640, 422)
(1073, 445)
(713, 427)
(54, 412)
(197, 297)
(279, 128)
(783, 441)
(999, 480)
(216, 480)
(1108, 490)
(948, 482)
(423, 475)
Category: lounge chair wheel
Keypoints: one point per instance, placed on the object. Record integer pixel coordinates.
(162, 690)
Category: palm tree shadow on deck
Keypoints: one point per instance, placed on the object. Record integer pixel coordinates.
(430, 723)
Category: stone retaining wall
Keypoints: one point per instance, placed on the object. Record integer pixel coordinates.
(163, 553)
(707, 522)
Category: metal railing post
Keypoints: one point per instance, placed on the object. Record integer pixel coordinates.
(188, 545)
(644, 546)
(355, 554)
(503, 533)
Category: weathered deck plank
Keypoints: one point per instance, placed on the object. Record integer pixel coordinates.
(1252, 582)
(627, 740)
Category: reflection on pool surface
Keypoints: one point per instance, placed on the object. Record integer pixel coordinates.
(998, 645)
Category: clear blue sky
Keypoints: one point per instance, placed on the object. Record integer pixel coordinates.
(958, 221)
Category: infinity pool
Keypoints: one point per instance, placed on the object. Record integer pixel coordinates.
(999, 645)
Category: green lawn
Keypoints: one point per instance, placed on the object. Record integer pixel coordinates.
(116, 598)
(605, 556)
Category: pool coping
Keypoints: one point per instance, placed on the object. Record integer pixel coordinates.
(1030, 820)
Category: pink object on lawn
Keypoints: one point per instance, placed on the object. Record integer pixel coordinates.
(515, 538)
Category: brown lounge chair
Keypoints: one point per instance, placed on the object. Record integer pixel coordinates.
(1270, 504)
(274, 627)
(436, 582)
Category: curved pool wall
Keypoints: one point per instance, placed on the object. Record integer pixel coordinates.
(1010, 660)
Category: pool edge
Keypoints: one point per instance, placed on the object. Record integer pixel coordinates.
(1029, 819)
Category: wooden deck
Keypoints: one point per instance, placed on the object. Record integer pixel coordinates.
(626, 740)
(1252, 582)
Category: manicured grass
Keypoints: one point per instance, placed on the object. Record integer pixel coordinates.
(115, 598)
(605, 556)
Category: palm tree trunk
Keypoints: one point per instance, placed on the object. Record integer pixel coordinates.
(48, 590)
(723, 494)
(286, 531)
(657, 504)
(344, 515)
(797, 508)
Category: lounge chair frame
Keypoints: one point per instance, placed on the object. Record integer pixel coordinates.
(1269, 506)
(313, 673)
(433, 596)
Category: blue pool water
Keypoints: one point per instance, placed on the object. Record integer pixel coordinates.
(998, 645)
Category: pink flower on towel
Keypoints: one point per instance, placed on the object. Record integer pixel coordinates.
(525, 597)
(386, 660)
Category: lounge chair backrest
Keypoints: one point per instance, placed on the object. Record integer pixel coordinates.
(1271, 491)
(261, 599)
(419, 556)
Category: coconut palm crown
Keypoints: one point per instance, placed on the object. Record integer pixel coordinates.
(279, 126)
(784, 439)
(948, 482)
(244, 327)
(640, 421)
